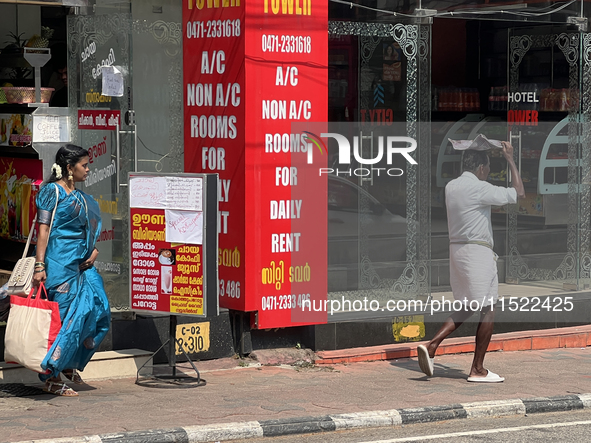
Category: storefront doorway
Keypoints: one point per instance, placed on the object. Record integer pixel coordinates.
(98, 37)
(549, 249)
(529, 82)
(378, 227)
(143, 42)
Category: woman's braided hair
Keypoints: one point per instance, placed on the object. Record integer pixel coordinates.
(67, 155)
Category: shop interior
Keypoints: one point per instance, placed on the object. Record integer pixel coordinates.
(32, 27)
(482, 93)
(480, 84)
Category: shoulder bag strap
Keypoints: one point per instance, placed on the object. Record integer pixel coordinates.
(29, 238)
(57, 197)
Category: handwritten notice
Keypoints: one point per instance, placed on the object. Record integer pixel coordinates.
(184, 227)
(184, 193)
(112, 81)
(51, 128)
(147, 192)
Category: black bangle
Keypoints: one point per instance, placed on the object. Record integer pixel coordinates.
(37, 271)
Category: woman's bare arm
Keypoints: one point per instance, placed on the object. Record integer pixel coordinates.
(42, 239)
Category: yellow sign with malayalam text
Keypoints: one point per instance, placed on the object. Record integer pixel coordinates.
(186, 305)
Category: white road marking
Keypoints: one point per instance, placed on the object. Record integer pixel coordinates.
(483, 432)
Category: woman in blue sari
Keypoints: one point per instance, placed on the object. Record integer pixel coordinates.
(64, 262)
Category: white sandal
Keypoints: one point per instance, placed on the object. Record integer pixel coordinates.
(59, 388)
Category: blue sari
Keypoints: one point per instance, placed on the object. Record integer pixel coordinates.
(84, 308)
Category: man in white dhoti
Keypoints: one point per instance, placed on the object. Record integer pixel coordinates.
(473, 267)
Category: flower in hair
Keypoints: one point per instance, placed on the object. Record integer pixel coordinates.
(57, 170)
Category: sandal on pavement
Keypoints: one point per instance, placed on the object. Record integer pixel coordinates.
(74, 376)
(425, 362)
(59, 388)
(490, 377)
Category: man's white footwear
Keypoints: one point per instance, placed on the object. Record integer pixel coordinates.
(425, 362)
(491, 377)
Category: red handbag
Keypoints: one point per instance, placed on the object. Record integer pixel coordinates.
(33, 325)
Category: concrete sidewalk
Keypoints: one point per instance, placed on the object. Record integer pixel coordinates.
(236, 394)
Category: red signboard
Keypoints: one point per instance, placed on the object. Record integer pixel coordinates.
(95, 120)
(250, 71)
(213, 73)
(287, 78)
(165, 277)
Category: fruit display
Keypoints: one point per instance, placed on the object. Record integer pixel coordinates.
(15, 46)
(40, 41)
(532, 204)
(498, 176)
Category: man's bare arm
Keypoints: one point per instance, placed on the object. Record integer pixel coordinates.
(516, 181)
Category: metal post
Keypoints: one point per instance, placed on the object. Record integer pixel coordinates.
(172, 344)
(117, 136)
(135, 159)
(37, 84)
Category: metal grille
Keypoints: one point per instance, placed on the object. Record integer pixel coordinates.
(18, 390)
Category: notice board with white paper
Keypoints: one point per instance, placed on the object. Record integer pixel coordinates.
(173, 243)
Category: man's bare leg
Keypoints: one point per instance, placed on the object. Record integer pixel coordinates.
(483, 335)
(452, 323)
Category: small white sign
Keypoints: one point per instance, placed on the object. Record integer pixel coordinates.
(184, 227)
(184, 193)
(147, 192)
(112, 81)
(51, 128)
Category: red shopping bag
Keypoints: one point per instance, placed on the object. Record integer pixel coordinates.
(33, 324)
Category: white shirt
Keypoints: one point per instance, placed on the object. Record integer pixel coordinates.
(468, 202)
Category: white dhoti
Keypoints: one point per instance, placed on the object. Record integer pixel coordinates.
(473, 274)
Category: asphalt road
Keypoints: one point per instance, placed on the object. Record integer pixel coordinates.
(572, 427)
